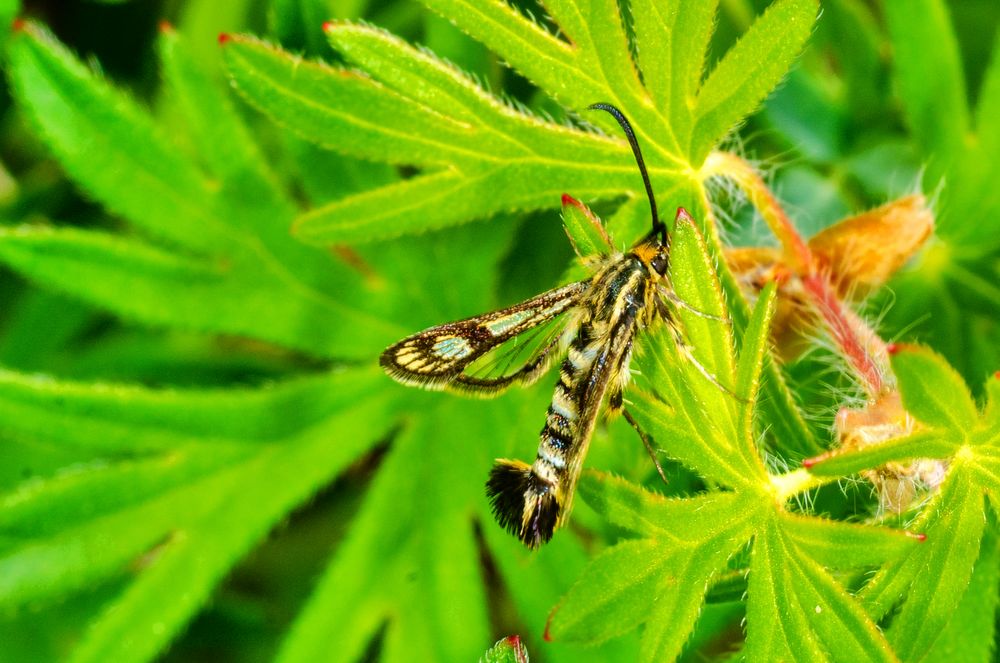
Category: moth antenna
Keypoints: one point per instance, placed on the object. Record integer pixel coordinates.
(658, 226)
(523, 503)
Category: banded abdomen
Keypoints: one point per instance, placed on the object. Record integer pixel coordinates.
(530, 501)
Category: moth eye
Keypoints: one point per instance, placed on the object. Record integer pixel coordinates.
(452, 347)
(659, 263)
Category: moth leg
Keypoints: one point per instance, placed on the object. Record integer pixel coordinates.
(646, 442)
(685, 350)
(672, 296)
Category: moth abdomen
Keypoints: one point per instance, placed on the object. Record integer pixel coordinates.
(523, 503)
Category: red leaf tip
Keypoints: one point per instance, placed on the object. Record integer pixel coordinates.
(997, 375)
(165, 26)
(893, 348)
(17, 25)
(683, 214)
(570, 200)
(546, 635)
(809, 462)
(919, 536)
(224, 37)
(327, 26)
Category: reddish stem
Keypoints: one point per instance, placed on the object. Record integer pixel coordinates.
(859, 344)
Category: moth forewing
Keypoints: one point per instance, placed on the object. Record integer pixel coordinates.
(438, 357)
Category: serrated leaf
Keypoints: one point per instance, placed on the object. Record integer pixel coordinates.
(818, 620)
(969, 633)
(496, 158)
(924, 444)
(750, 70)
(588, 236)
(841, 545)
(258, 281)
(638, 581)
(932, 391)
(508, 650)
(936, 573)
(106, 142)
(177, 514)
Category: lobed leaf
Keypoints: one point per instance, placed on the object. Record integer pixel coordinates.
(258, 281)
(640, 581)
(749, 71)
(672, 41)
(110, 146)
(932, 577)
(795, 611)
(923, 444)
(236, 509)
(840, 545)
(969, 634)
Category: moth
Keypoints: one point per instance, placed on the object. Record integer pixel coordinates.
(626, 293)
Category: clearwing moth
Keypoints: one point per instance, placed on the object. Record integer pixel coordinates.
(626, 292)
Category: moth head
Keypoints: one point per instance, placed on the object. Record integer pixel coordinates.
(660, 262)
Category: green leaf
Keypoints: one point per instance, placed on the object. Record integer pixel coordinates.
(216, 128)
(108, 144)
(508, 650)
(477, 155)
(672, 42)
(756, 339)
(648, 514)
(637, 581)
(928, 70)
(611, 597)
(242, 273)
(750, 70)
(969, 633)
(246, 502)
(841, 545)
(425, 581)
(936, 573)
(195, 510)
(932, 391)
(679, 388)
(817, 619)
(924, 444)
(588, 236)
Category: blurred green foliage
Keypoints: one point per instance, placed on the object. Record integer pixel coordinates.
(200, 459)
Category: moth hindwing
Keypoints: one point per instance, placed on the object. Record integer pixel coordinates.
(485, 354)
